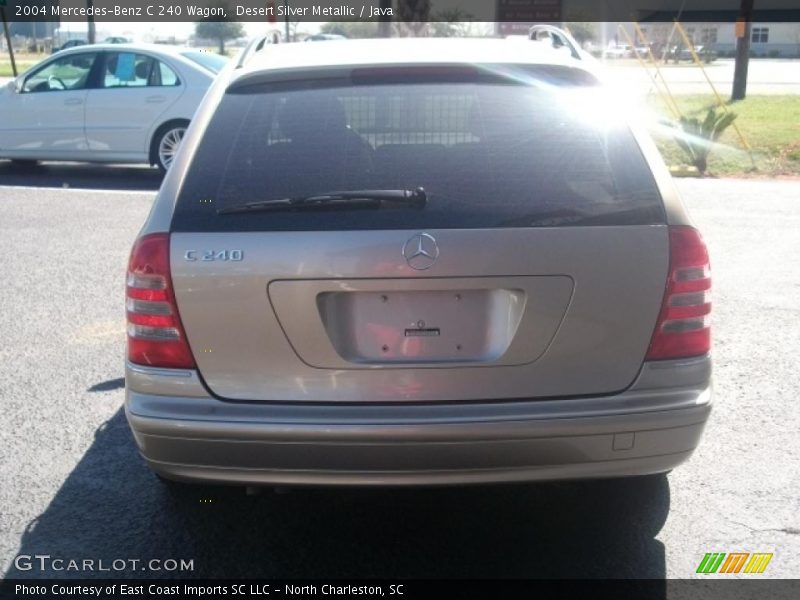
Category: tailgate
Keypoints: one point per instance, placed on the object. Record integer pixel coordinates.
(321, 316)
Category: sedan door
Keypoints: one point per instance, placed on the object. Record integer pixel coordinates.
(44, 118)
(135, 89)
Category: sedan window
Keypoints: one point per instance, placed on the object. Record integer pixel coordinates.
(168, 76)
(127, 69)
(66, 73)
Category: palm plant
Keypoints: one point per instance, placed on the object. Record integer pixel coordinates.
(697, 137)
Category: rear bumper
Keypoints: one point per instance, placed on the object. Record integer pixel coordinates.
(647, 429)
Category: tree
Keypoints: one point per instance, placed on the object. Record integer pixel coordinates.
(220, 31)
(451, 22)
(384, 20)
(351, 29)
(413, 17)
(293, 27)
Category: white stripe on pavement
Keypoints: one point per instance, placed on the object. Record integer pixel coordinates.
(74, 189)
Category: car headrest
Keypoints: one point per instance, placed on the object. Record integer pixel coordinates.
(111, 64)
(142, 69)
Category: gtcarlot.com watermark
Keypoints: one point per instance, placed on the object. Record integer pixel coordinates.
(45, 562)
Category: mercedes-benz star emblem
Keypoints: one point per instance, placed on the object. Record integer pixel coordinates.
(421, 251)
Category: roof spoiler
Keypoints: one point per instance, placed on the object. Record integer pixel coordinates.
(559, 38)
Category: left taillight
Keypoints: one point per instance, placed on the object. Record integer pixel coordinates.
(155, 334)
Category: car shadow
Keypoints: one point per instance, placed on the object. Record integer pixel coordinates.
(81, 176)
(112, 507)
(108, 386)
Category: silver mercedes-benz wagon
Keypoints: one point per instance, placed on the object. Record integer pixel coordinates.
(402, 262)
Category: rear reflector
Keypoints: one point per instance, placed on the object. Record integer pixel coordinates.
(683, 324)
(155, 335)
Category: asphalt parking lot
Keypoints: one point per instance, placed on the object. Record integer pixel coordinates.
(72, 485)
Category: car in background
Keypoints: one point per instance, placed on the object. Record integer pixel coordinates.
(116, 40)
(113, 103)
(69, 44)
(416, 262)
(681, 53)
(614, 51)
(325, 37)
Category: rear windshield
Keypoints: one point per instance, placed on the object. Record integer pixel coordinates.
(521, 149)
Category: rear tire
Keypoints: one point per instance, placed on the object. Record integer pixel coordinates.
(644, 499)
(166, 142)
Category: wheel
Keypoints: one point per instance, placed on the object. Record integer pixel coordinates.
(167, 143)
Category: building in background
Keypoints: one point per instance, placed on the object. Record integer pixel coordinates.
(772, 40)
(768, 40)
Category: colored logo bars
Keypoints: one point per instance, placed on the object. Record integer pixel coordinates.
(734, 562)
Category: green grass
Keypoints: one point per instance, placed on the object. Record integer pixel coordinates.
(22, 66)
(769, 124)
(24, 62)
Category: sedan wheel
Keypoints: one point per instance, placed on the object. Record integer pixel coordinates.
(168, 145)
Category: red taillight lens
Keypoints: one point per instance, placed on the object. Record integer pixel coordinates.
(155, 334)
(683, 324)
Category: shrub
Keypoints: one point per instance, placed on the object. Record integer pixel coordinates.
(697, 137)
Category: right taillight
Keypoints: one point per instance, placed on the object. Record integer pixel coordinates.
(683, 328)
(155, 335)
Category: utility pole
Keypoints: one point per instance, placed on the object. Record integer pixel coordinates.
(744, 26)
(8, 37)
(90, 31)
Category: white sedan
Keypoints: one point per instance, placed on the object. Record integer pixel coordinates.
(115, 103)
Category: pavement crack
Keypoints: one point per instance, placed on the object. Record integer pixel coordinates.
(786, 530)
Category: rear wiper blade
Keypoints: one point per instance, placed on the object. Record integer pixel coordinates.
(346, 199)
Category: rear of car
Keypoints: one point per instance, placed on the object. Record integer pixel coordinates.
(538, 311)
